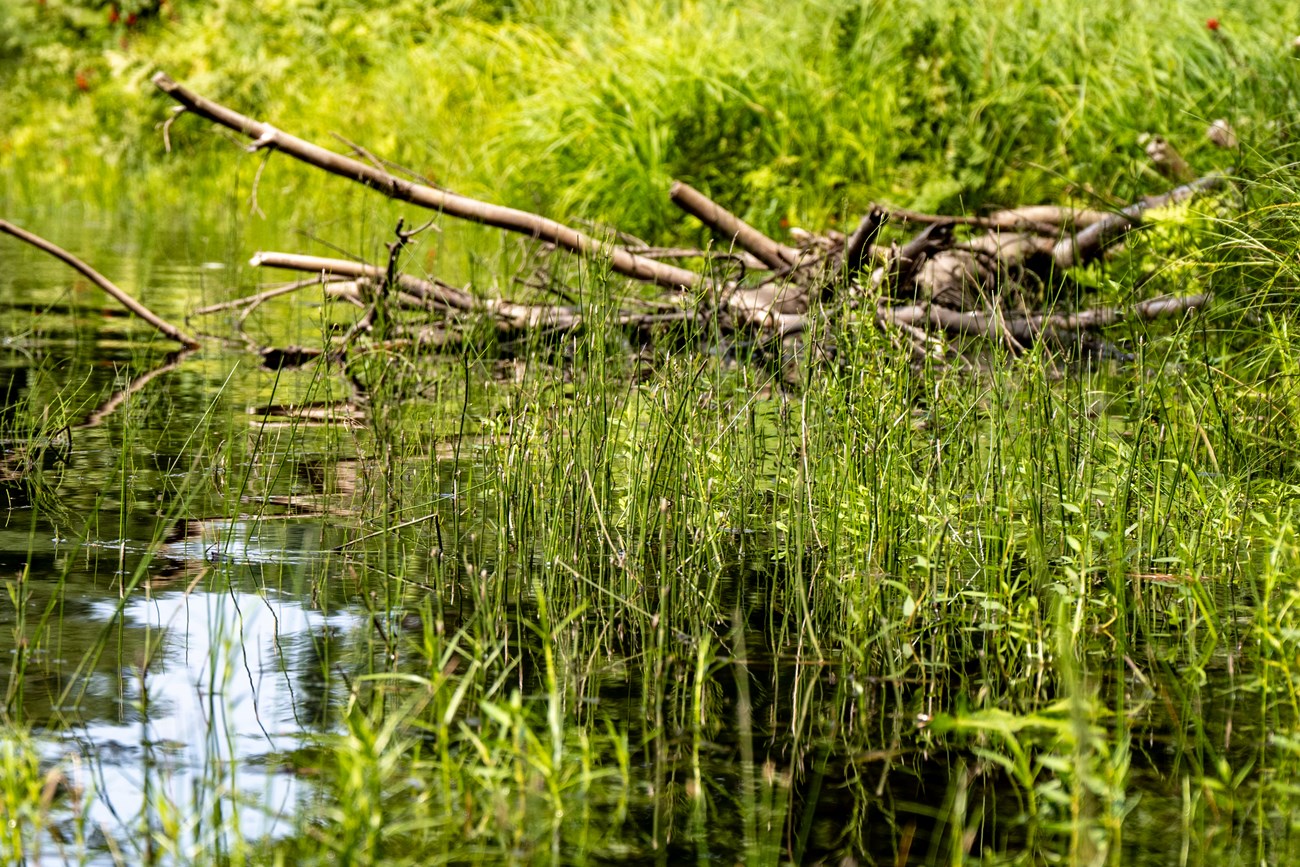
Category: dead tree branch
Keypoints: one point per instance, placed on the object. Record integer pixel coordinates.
(163, 326)
(435, 294)
(963, 276)
(1026, 329)
(733, 229)
(260, 298)
(857, 249)
(1040, 219)
(1091, 242)
(499, 216)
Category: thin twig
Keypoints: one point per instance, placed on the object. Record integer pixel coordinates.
(257, 182)
(382, 163)
(177, 111)
(267, 295)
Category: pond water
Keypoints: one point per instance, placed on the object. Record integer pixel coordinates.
(178, 654)
(193, 612)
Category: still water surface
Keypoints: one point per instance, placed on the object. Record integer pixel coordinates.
(181, 653)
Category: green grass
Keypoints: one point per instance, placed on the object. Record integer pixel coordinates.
(677, 607)
(683, 606)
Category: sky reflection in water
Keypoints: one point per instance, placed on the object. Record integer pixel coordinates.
(223, 704)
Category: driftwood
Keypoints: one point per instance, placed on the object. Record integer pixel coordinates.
(857, 248)
(427, 294)
(163, 326)
(1027, 328)
(959, 276)
(1092, 241)
(1042, 219)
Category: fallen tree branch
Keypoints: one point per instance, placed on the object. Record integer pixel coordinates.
(730, 227)
(260, 298)
(746, 259)
(965, 284)
(857, 249)
(1025, 329)
(166, 328)
(756, 309)
(1041, 219)
(907, 259)
(1099, 317)
(508, 315)
(1091, 242)
(499, 216)
(441, 294)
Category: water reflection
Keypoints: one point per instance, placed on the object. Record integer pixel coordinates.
(223, 685)
(187, 661)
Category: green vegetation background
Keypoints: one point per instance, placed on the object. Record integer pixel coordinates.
(792, 113)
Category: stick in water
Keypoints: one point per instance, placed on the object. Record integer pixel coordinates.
(511, 219)
(167, 329)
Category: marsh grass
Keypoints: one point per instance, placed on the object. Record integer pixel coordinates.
(999, 612)
(670, 605)
(601, 602)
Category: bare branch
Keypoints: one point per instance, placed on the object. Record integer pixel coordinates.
(1039, 219)
(263, 297)
(510, 219)
(1093, 241)
(732, 228)
(1026, 329)
(177, 111)
(166, 328)
(858, 247)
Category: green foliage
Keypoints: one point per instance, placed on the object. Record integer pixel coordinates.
(33, 799)
(796, 114)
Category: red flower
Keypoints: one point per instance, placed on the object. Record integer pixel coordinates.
(130, 20)
(1212, 24)
(83, 80)
(112, 15)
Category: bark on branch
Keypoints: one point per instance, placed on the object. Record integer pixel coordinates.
(1040, 219)
(266, 136)
(726, 224)
(1093, 240)
(1026, 329)
(858, 246)
(432, 293)
(976, 285)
